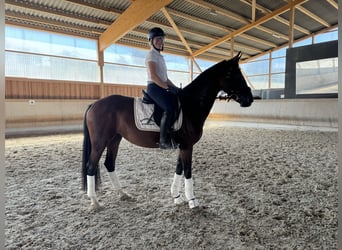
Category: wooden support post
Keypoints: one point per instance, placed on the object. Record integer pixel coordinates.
(270, 71)
(291, 25)
(232, 48)
(191, 69)
(253, 10)
(100, 63)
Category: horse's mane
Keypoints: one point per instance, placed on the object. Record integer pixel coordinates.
(204, 78)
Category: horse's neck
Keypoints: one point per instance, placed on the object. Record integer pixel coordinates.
(199, 99)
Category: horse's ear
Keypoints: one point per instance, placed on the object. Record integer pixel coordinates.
(238, 56)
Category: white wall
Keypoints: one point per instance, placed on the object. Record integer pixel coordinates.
(23, 113)
(44, 116)
(308, 112)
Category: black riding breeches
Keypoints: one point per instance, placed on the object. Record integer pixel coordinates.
(167, 101)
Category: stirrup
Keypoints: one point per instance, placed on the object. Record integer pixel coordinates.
(166, 146)
(170, 145)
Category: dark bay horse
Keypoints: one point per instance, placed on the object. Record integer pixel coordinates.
(110, 119)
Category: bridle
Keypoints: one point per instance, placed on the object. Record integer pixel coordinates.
(234, 93)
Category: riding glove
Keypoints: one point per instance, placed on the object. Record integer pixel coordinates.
(173, 89)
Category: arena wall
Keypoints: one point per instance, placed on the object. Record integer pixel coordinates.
(35, 105)
(34, 113)
(41, 115)
(300, 112)
(38, 106)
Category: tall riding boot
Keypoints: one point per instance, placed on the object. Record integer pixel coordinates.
(165, 127)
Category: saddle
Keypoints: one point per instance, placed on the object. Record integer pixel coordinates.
(148, 114)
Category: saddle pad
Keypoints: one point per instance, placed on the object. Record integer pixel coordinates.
(143, 117)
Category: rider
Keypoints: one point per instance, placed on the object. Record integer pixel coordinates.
(159, 87)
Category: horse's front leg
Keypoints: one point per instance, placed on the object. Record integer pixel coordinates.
(176, 184)
(117, 186)
(186, 158)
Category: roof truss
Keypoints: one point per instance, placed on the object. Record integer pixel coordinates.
(195, 28)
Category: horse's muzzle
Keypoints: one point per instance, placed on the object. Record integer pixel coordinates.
(245, 101)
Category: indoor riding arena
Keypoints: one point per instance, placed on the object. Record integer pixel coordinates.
(264, 174)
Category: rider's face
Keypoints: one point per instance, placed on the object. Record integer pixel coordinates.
(158, 42)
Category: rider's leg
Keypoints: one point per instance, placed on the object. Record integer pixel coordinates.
(168, 102)
(165, 131)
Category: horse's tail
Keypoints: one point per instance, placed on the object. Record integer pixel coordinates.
(86, 155)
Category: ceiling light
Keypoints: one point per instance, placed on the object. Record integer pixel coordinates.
(275, 35)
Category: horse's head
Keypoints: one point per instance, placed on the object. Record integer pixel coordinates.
(234, 84)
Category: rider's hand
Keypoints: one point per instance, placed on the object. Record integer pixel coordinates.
(173, 89)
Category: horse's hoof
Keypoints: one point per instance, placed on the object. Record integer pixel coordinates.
(193, 203)
(94, 203)
(180, 199)
(95, 206)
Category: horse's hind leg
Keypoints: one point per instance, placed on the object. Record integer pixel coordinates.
(112, 152)
(92, 171)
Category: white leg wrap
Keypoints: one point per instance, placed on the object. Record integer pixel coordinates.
(189, 189)
(91, 186)
(114, 180)
(176, 188)
(189, 193)
(91, 191)
(176, 185)
(117, 186)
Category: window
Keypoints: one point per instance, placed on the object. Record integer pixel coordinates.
(38, 54)
(317, 76)
(126, 65)
(327, 36)
(257, 70)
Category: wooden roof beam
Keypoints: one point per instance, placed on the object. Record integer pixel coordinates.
(219, 10)
(278, 18)
(313, 16)
(224, 28)
(196, 19)
(135, 14)
(333, 3)
(249, 26)
(196, 45)
(231, 15)
(59, 26)
(63, 13)
(95, 5)
(49, 28)
(206, 36)
(243, 20)
(175, 27)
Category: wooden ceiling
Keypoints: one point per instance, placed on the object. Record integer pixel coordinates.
(210, 29)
